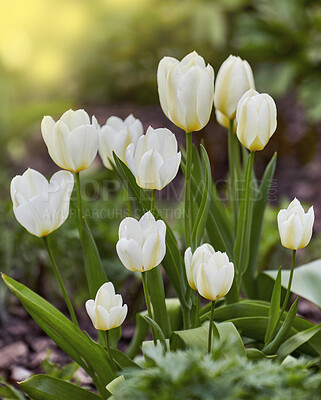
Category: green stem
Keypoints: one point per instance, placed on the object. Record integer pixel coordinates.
(210, 328)
(188, 189)
(245, 223)
(79, 199)
(287, 295)
(112, 362)
(231, 159)
(148, 303)
(152, 201)
(59, 279)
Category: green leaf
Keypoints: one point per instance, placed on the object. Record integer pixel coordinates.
(260, 203)
(306, 281)
(113, 385)
(157, 297)
(122, 359)
(88, 354)
(8, 392)
(256, 354)
(242, 239)
(297, 340)
(94, 270)
(272, 347)
(157, 330)
(44, 387)
(203, 206)
(274, 310)
(172, 263)
(198, 338)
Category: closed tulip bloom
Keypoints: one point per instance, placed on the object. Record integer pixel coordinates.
(107, 310)
(234, 78)
(186, 91)
(116, 135)
(141, 244)
(41, 206)
(154, 160)
(209, 272)
(72, 141)
(192, 261)
(295, 226)
(256, 119)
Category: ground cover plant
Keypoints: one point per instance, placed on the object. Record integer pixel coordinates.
(227, 316)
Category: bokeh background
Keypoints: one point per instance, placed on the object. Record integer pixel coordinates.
(102, 55)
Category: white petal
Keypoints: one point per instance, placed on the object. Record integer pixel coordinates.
(90, 304)
(130, 254)
(83, 145)
(102, 319)
(154, 251)
(129, 228)
(169, 169)
(74, 119)
(148, 170)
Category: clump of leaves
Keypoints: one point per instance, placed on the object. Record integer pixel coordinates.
(193, 375)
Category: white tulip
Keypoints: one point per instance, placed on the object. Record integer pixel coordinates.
(209, 272)
(295, 226)
(107, 310)
(186, 91)
(141, 244)
(256, 119)
(72, 141)
(154, 160)
(233, 79)
(39, 206)
(116, 135)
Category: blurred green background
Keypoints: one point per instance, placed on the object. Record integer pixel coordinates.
(103, 55)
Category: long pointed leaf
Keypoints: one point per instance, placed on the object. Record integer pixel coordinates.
(44, 387)
(274, 307)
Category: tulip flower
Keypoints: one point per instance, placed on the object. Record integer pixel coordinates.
(72, 141)
(256, 119)
(209, 272)
(186, 91)
(39, 206)
(295, 226)
(154, 160)
(141, 244)
(116, 135)
(233, 79)
(107, 310)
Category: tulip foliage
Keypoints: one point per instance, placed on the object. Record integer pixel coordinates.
(218, 291)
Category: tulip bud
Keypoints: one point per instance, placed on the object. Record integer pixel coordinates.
(39, 206)
(141, 244)
(295, 226)
(186, 91)
(154, 160)
(107, 310)
(72, 141)
(256, 119)
(233, 79)
(209, 272)
(116, 135)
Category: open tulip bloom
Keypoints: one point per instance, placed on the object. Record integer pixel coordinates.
(186, 91)
(256, 119)
(107, 310)
(154, 160)
(72, 141)
(41, 206)
(141, 245)
(295, 226)
(116, 135)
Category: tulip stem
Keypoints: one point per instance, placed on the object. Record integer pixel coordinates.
(59, 279)
(80, 209)
(148, 303)
(188, 189)
(287, 295)
(210, 328)
(152, 201)
(233, 182)
(112, 362)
